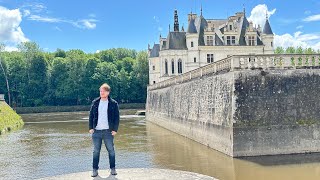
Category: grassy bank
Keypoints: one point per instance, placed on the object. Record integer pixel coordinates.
(9, 120)
(47, 109)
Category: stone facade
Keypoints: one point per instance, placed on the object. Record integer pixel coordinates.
(244, 105)
(204, 42)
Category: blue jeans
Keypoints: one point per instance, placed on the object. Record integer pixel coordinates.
(97, 138)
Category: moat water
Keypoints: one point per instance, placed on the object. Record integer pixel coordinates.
(59, 143)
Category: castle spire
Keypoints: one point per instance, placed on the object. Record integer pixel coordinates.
(244, 10)
(201, 10)
(266, 15)
(176, 21)
(267, 28)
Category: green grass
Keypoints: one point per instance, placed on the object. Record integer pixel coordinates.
(9, 119)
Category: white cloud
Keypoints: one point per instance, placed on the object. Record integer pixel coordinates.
(82, 23)
(10, 30)
(258, 14)
(311, 40)
(11, 48)
(312, 18)
(299, 27)
(87, 23)
(58, 29)
(34, 7)
(26, 12)
(97, 51)
(44, 19)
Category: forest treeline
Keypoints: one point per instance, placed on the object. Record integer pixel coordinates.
(34, 77)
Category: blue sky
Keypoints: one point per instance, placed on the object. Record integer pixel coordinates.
(102, 24)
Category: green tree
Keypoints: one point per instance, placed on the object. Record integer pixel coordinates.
(58, 75)
(17, 72)
(139, 78)
(279, 50)
(309, 51)
(107, 73)
(120, 53)
(299, 50)
(3, 68)
(60, 53)
(37, 85)
(105, 56)
(90, 85)
(126, 64)
(290, 50)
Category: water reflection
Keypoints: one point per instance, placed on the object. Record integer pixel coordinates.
(59, 143)
(177, 152)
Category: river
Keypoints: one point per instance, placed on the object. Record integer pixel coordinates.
(58, 143)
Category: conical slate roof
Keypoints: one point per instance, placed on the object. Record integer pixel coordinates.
(192, 28)
(267, 28)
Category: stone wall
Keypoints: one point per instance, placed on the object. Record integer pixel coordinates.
(241, 109)
(277, 112)
(200, 109)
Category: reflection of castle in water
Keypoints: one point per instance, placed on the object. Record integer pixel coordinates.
(177, 152)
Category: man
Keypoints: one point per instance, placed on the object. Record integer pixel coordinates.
(103, 125)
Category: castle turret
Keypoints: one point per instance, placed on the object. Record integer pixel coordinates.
(267, 37)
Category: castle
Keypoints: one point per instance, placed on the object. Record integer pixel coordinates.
(204, 42)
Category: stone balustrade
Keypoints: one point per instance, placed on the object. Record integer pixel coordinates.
(246, 62)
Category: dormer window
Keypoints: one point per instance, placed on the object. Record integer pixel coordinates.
(251, 41)
(230, 27)
(209, 40)
(191, 43)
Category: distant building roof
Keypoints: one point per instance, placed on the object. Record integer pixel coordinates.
(176, 40)
(155, 50)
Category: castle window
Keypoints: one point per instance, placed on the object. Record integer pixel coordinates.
(209, 58)
(180, 66)
(251, 41)
(191, 43)
(194, 59)
(271, 44)
(166, 67)
(172, 66)
(230, 27)
(209, 40)
(154, 82)
(153, 68)
(231, 40)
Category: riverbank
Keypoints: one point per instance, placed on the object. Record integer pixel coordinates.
(136, 174)
(48, 109)
(9, 120)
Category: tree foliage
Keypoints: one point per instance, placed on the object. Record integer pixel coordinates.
(73, 77)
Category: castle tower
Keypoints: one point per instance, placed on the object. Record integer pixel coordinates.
(267, 37)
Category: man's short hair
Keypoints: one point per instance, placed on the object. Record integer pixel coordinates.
(105, 86)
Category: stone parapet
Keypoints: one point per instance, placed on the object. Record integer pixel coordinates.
(244, 105)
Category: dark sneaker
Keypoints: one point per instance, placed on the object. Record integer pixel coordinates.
(113, 171)
(94, 173)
